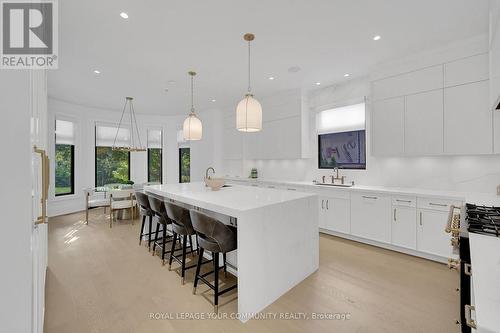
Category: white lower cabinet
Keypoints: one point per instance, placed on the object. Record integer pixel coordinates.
(334, 214)
(404, 230)
(431, 237)
(371, 216)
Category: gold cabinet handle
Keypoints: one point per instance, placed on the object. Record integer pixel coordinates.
(468, 316)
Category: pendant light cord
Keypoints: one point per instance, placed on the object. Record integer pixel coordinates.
(249, 87)
(192, 93)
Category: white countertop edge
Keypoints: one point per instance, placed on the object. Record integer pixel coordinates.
(230, 211)
(469, 197)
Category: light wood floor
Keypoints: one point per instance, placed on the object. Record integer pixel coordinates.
(100, 280)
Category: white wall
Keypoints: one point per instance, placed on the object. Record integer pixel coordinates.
(202, 152)
(461, 173)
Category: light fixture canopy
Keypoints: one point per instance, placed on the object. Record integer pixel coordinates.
(135, 137)
(192, 128)
(249, 110)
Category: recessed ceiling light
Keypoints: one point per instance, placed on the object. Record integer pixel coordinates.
(318, 83)
(124, 15)
(347, 75)
(214, 100)
(376, 37)
(271, 78)
(97, 71)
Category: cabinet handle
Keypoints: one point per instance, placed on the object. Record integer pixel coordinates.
(327, 203)
(394, 214)
(468, 316)
(420, 218)
(291, 189)
(271, 186)
(407, 201)
(437, 204)
(45, 163)
(369, 197)
(322, 204)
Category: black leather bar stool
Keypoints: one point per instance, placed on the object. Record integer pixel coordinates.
(181, 227)
(146, 212)
(216, 237)
(158, 208)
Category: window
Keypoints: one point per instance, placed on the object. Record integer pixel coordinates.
(155, 156)
(184, 165)
(111, 166)
(64, 158)
(342, 138)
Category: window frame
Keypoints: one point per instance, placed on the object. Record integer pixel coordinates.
(161, 164)
(74, 121)
(180, 164)
(72, 192)
(95, 155)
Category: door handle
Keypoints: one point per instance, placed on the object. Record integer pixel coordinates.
(322, 204)
(45, 184)
(327, 203)
(420, 218)
(394, 214)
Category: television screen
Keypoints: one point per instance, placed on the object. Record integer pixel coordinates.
(345, 150)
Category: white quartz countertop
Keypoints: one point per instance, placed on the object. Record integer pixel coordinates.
(468, 197)
(485, 263)
(228, 200)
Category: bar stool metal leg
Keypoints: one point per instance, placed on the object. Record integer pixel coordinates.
(172, 252)
(156, 237)
(164, 245)
(198, 268)
(216, 282)
(150, 232)
(142, 229)
(183, 264)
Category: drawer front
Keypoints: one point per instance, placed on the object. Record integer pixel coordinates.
(404, 201)
(437, 203)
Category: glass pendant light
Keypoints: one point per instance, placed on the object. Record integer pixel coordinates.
(192, 129)
(249, 110)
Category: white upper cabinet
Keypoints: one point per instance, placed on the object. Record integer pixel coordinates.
(468, 121)
(409, 83)
(424, 123)
(388, 126)
(467, 70)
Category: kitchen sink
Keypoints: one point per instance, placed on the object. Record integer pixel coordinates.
(337, 185)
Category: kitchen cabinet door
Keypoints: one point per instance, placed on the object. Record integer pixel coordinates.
(424, 123)
(404, 229)
(468, 119)
(371, 216)
(337, 214)
(388, 127)
(466, 70)
(431, 237)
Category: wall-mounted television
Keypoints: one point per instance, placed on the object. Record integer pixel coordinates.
(344, 150)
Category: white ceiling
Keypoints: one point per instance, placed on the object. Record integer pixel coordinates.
(163, 39)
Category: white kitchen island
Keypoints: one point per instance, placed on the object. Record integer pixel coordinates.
(278, 239)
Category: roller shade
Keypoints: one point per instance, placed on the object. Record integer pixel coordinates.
(343, 119)
(105, 136)
(154, 139)
(65, 132)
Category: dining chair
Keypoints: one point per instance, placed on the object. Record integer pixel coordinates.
(121, 200)
(94, 198)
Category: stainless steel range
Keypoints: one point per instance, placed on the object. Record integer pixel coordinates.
(462, 221)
